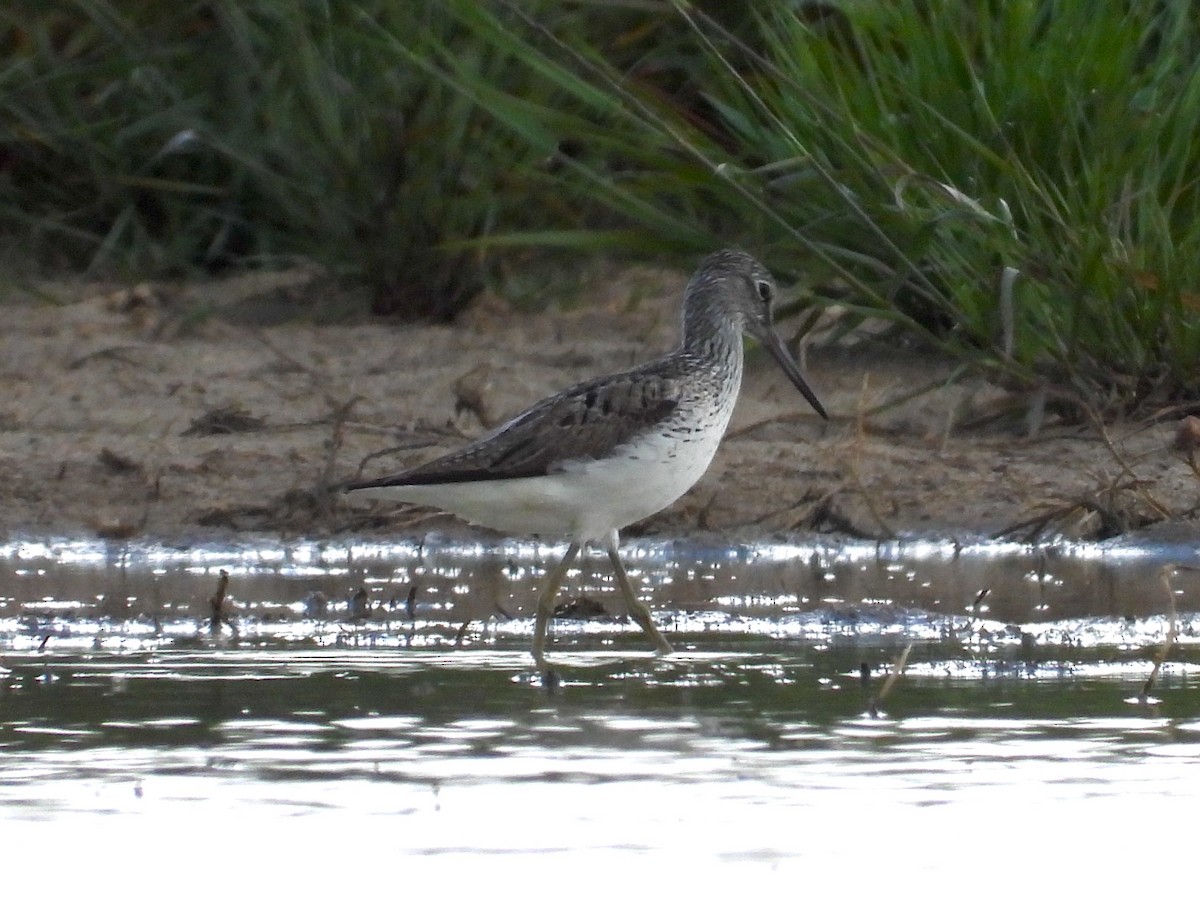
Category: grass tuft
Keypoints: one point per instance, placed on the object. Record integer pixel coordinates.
(147, 137)
(1015, 182)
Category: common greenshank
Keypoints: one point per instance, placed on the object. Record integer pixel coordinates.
(595, 458)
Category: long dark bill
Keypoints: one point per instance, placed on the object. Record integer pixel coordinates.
(774, 344)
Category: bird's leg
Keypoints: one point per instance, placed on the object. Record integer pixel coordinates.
(545, 605)
(637, 608)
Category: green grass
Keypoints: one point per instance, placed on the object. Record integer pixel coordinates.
(1017, 183)
(154, 137)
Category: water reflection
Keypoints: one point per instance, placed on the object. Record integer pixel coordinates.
(317, 753)
(760, 758)
(444, 591)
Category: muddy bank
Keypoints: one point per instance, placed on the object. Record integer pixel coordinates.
(176, 411)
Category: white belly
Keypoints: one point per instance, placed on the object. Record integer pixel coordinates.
(589, 499)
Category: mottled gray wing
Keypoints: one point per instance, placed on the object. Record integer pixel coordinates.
(584, 422)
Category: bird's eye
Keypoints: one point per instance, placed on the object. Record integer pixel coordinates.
(765, 292)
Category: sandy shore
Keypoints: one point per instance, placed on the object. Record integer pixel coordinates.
(174, 411)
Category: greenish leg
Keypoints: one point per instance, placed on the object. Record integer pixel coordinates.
(545, 605)
(637, 609)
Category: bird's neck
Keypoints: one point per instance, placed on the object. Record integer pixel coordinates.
(709, 333)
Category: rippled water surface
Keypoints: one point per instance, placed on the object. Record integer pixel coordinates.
(311, 743)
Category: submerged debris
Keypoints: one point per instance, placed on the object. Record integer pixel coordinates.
(360, 606)
(316, 604)
(220, 614)
(581, 607)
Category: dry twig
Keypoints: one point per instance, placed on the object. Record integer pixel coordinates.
(898, 666)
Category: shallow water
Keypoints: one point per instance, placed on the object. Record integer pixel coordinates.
(310, 753)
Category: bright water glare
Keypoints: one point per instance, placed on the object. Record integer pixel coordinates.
(312, 746)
